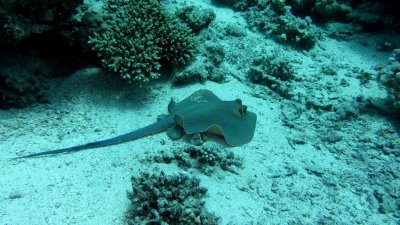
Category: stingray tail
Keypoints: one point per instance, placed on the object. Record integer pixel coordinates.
(145, 131)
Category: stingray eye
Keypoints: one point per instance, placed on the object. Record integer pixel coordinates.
(238, 101)
(242, 110)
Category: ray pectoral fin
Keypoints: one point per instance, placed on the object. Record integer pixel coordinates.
(227, 118)
(235, 130)
(242, 132)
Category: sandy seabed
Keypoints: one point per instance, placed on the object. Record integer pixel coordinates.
(300, 168)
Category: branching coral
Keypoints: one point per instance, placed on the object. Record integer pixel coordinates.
(158, 198)
(139, 38)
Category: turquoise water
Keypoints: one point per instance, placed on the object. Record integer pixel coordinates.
(321, 78)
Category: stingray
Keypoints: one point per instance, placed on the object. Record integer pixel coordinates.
(201, 112)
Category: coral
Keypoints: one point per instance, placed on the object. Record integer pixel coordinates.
(234, 30)
(219, 74)
(195, 17)
(369, 14)
(323, 10)
(93, 20)
(158, 198)
(328, 69)
(21, 86)
(237, 4)
(205, 158)
(207, 67)
(331, 9)
(196, 72)
(22, 18)
(389, 75)
(273, 71)
(341, 31)
(215, 53)
(277, 21)
(274, 19)
(139, 38)
(295, 31)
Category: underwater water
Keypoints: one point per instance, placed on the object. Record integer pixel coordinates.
(314, 138)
